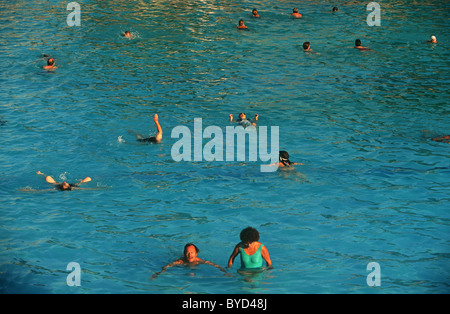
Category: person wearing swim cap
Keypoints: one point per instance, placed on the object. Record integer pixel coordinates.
(242, 120)
(295, 13)
(432, 40)
(284, 160)
(50, 64)
(189, 258)
(64, 186)
(152, 139)
(255, 13)
(242, 25)
(252, 252)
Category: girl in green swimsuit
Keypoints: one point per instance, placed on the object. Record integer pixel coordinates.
(252, 252)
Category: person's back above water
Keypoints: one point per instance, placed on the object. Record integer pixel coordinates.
(252, 252)
(50, 64)
(359, 46)
(295, 13)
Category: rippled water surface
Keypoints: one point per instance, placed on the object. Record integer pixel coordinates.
(374, 187)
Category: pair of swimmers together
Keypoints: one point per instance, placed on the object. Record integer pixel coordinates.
(252, 253)
(255, 13)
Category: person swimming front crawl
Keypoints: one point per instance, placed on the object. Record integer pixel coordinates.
(251, 251)
(189, 259)
(153, 139)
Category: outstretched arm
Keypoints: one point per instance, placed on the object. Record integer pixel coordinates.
(177, 262)
(215, 265)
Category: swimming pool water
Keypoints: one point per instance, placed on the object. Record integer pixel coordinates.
(373, 188)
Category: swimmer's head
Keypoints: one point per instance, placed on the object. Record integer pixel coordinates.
(64, 186)
(242, 116)
(335, 9)
(51, 61)
(241, 22)
(295, 10)
(249, 235)
(190, 252)
(306, 45)
(284, 158)
(433, 39)
(255, 12)
(357, 43)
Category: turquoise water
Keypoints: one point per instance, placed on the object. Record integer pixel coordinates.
(373, 188)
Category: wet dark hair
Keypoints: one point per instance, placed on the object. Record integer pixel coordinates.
(188, 245)
(335, 8)
(249, 235)
(357, 42)
(284, 158)
(295, 10)
(60, 187)
(306, 45)
(50, 61)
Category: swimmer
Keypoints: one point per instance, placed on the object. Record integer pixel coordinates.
(127, 34)
(335, 9)
(442, 139)
(252, 252)
(241, 25)
(307, 46)
(154, 139)
(432, 40)
(255, 13)
(189, 259)
(295, 13)
(50, 64)
(358, 45)
(283, 160)
(243, 120)
(64, 186)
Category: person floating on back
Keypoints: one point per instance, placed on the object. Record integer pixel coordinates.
(243, 121)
